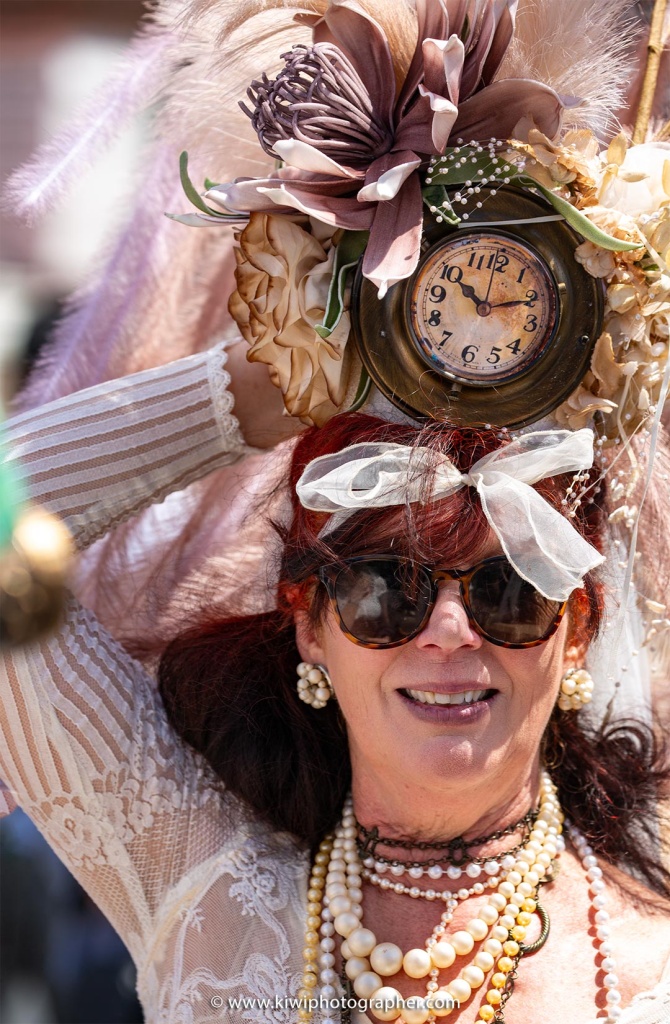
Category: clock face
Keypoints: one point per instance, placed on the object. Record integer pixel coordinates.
(483, 307)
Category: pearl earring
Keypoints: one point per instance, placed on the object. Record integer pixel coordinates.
(314, 685)
(576, 689)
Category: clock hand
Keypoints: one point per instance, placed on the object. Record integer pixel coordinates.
(469, 293)
(515, 302)
(493, 270)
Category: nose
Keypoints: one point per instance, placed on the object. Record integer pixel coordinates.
(449, 628)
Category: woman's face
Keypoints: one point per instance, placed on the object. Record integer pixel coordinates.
(391, 699)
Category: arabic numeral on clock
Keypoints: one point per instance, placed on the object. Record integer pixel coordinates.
(514, 346)
(434, 318)
(531, 323)
(520, 277)
(452, 274)
(438, 293)
(531, 298)
(469, 352)
(494, 355)
(501, 263)
(479, 263)
(445, 338)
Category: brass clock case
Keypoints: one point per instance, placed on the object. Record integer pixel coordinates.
(403, 355)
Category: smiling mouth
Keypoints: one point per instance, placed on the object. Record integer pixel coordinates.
(448, 699)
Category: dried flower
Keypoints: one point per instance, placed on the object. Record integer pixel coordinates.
(579, 409)
(622, 297)
(620, 225)
(575, 161)
(283, 275)
(599, 262)
(604, 366)
(632, 190)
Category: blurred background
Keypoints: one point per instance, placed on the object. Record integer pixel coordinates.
(61, 963)
(54, 54)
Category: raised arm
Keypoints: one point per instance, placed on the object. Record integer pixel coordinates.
(102, 455)
(85, 746)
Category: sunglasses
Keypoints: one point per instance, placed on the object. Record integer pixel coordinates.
(385, 601)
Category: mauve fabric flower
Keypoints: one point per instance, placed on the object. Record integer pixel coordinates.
(360, 170)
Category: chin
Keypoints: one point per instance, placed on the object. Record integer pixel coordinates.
(446, 760)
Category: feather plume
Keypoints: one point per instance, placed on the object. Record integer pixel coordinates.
(56, 167)
(579, 49)
(219, 49)
(146, 305)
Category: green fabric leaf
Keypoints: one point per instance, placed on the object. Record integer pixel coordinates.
(578, 221)
(194, 196)
(349, 250)
(364, 385)
(189, 188)
(481, 165)
(437, 196)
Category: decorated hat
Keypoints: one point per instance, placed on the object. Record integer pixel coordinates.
(426, 211)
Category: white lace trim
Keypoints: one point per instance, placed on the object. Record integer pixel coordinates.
(222, 398)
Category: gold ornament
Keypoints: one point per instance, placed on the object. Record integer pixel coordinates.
(33, 569)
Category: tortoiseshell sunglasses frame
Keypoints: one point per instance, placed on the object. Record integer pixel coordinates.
(328, 575)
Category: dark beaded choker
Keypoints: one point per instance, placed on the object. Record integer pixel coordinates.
(453, 851)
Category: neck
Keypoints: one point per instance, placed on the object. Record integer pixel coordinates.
(441, 812)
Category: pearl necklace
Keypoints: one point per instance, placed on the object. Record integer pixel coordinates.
(435, 871)
(430, 894)
(599, 902)
(335, 905)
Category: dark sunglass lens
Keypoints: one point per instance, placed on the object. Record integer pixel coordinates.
(507, 607)
(382, 601)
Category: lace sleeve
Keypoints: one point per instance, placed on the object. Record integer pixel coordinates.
(101, 455)
(85, 747)
(87, 752)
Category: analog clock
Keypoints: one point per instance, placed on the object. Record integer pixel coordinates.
(482, 307)
(496, 325)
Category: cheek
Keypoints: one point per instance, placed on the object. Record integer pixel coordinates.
(355, 672)
(536, 673)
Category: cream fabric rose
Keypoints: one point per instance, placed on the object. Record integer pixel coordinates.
(638, 187)
(283, 275)
(598, 262)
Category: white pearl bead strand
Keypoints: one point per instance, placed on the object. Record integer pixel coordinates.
(594, 875)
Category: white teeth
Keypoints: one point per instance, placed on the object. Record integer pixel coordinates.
(428, 697)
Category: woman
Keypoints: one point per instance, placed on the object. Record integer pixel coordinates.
(209, 887)
(425, 618)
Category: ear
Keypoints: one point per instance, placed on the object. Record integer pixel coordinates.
(307, 639)
(574, 655)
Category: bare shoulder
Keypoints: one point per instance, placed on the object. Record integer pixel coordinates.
(637, 923)
(632, 897)
(640, 932)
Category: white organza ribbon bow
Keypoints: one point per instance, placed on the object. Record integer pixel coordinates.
(541, 544)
